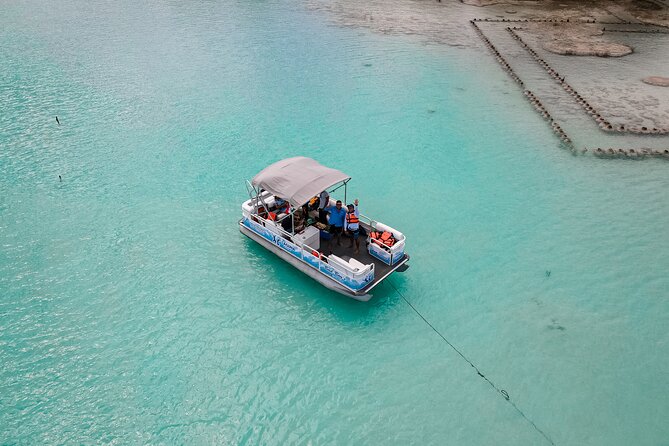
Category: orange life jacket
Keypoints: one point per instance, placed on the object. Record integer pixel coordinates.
(271, 216)
(352, 218)
(385, 238)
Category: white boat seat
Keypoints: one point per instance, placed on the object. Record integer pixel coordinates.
(351, 264)
(356, 265)
(338, 261)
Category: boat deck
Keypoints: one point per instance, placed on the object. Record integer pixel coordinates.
(381, 270)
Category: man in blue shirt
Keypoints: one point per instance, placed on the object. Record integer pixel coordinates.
(337, 217)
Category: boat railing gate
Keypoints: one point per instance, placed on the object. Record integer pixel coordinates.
(367, 220)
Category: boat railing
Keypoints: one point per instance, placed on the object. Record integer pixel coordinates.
(387, 254)
(368, 221)
(375, 226)
(306, 251)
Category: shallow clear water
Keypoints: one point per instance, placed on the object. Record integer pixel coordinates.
(133, 311)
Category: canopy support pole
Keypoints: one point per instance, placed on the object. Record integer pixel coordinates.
(259, 197)
(345, 188)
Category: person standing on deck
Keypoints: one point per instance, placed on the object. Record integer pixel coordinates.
(337, 217)
(323, 202)
(352, 225)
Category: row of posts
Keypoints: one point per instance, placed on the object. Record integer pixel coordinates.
(589, 109)
(530, 96)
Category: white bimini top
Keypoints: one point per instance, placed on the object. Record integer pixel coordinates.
(298, 179)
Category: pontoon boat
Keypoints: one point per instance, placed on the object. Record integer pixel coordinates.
(269, 218)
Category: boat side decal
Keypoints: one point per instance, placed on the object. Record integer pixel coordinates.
(379, 253)
(341, 277)
(397, 256)
(275, 239)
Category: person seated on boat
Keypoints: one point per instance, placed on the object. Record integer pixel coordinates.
(281, 206)
(311, 208)
(297, 220)
(313, 203)
(300, 221)
(352, 225)
(323, 202)
(337, 217)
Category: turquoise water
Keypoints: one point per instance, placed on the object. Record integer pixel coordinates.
(133, 311)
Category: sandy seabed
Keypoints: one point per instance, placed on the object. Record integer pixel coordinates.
(609, 56)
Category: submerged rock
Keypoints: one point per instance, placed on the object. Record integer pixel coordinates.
(580, 48)
(656, 80)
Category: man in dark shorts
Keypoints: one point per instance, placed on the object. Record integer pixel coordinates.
(352, 225)
(337, 217)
